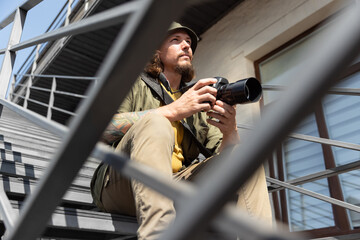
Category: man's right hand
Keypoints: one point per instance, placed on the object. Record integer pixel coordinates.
(201, 97)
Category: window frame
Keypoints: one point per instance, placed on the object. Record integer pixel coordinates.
(276, 168)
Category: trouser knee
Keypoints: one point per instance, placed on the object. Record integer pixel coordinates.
(156, 127)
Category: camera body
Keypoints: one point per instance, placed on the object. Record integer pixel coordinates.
(240, 92)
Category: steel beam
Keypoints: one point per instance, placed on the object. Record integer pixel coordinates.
(26, 6)
(221, 179)
(9, 57)
(6, 210)
(104, 19)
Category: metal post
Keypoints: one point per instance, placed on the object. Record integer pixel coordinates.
(67, 20)
(6, 210)
(9, 58)
(27, 95)
(86, 5)
(52, 98)
(12, 90)
(34, 65)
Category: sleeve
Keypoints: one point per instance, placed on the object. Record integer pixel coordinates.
(127, 104)
(214, 139)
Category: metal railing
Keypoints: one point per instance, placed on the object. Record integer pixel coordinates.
(130, 51)
(51, 91)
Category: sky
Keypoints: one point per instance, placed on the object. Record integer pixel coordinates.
(37, 21)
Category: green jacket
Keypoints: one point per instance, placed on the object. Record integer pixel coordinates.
(141, 98)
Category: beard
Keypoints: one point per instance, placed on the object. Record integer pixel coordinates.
(186, 71)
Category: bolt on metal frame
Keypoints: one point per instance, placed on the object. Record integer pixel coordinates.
(125, 60)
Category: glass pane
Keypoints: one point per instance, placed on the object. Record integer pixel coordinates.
(342, 114)
(306, 213)
(300, 159)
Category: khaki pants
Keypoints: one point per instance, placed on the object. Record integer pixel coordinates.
(150, 141)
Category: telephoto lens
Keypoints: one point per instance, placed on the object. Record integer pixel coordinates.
(240, 92)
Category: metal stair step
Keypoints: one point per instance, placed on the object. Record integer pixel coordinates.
(32, 149)
(12, 132)
(81, 222)
(30, 171)
(20, 187)
(11, 123)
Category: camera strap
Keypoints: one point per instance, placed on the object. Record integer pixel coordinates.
(165, 97)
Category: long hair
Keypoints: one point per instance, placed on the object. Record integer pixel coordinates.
(154, 67)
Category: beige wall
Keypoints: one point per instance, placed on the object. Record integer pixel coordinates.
(250, 31)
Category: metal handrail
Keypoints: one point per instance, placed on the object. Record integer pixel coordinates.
(319, 175)
(326, 141)
(52, 91)
(334, 90)
(27, 61)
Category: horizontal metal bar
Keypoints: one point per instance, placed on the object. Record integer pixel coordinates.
(57, 76)
(40, 89)
(38, 102)
(64, 111)
(319, 175)
(330, 142)
(335, 90)
(2, 51)
(315, 195)
(104, 19)
(70, 94)
(334, 143)
(17, 95)
(58, 92)
(143, 173)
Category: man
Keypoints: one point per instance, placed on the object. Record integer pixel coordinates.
(152, 133)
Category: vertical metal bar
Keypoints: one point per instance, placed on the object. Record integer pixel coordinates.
(27, 94)
(86, 5)
(52, 98)
(12, 90)
(9, 57)
(69, 9)
(6, 210)
(34, 65)
(138, 39)
(318, 72)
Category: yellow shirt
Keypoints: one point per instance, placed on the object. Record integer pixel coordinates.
(177, 156)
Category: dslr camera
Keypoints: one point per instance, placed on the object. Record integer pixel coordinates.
(240, 92)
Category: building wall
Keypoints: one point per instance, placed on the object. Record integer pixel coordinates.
(250, 31)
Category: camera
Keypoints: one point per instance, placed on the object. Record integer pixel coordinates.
(240, 92)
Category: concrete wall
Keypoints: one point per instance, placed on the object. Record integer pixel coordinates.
(250, 31)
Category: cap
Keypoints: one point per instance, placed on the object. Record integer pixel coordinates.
(192, 34)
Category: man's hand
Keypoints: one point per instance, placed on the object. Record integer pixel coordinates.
(200, 97)
(224, 117)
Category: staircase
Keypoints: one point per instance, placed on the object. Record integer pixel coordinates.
(25, 152)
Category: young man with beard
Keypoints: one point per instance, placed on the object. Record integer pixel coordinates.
(151, 132)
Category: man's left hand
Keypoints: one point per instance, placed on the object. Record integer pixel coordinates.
(225, 119)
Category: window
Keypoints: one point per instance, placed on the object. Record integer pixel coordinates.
(337, 118)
